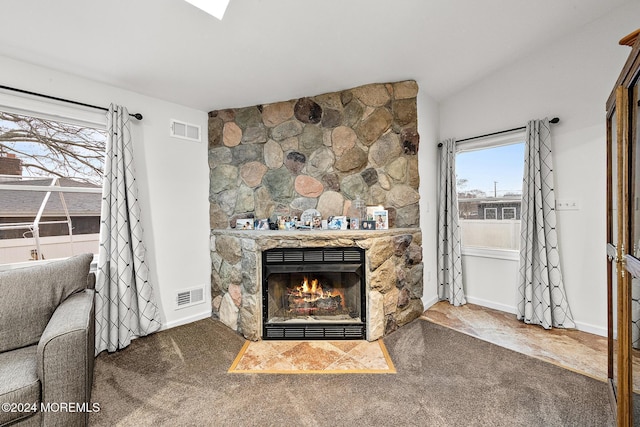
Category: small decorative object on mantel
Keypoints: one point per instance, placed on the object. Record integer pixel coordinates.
(291, 223)
(261, 224)
(285, 222)
(381, 219)
(368, 225)
(310, 218)
(337, 223)
(244, 224)
(360, 208)
(371, 210)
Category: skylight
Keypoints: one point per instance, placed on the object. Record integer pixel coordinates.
(212, 7)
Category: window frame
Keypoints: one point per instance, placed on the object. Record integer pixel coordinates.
(495, 210)
(491, 141)
(44, 108)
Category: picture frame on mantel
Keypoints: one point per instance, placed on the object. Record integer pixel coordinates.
(381, 219)
(261, 224)
(338, 223)
(371, 211)
(244, 224)
(368, 225)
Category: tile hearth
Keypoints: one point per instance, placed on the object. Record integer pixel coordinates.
(328, 357)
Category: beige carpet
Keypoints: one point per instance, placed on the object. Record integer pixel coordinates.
(180, 377)
(313, 357)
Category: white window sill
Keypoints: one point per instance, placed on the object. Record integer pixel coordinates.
(505, 254)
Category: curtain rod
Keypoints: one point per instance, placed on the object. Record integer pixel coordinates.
(135, 115)
(554, 120)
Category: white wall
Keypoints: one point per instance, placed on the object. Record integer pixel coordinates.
(428, 119)
(173, 179)
(486, 283)
(570, 79)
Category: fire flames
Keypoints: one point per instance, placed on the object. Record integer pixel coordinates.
(311, 290)
(309, 297)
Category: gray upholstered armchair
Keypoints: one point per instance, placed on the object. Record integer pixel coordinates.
(47, 343)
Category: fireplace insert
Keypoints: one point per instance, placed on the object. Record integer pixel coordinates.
(311, 293)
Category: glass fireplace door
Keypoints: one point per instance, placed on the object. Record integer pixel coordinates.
(314, 293)
(321, 296)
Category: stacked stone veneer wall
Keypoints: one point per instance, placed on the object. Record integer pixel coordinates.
(319, 152)
(394, 272)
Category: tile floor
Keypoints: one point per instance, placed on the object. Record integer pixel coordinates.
(579, 351)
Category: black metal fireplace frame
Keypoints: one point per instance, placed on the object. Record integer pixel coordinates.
(308, 260)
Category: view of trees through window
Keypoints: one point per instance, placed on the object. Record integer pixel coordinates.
(37, 152)
(53, 148)
(489, 186)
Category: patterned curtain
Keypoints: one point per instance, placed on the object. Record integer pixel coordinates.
(541, 295)
(125, 305)
(449, 247)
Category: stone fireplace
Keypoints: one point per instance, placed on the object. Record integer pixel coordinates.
(392, 271)
(321, 152)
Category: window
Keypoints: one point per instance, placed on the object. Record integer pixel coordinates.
(489, 175)
(508, 213)
(50, 186)
(490, 213)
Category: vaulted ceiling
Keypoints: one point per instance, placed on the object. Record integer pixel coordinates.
(271, 50)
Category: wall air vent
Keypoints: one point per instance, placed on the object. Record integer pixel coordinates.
(189, 297)
(184, 130)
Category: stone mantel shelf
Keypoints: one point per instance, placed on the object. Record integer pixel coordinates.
(314, 234)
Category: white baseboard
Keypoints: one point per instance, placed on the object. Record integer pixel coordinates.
(492, 304)
(581, 326)
(429, 302)
(592, 329)
(185, 320)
